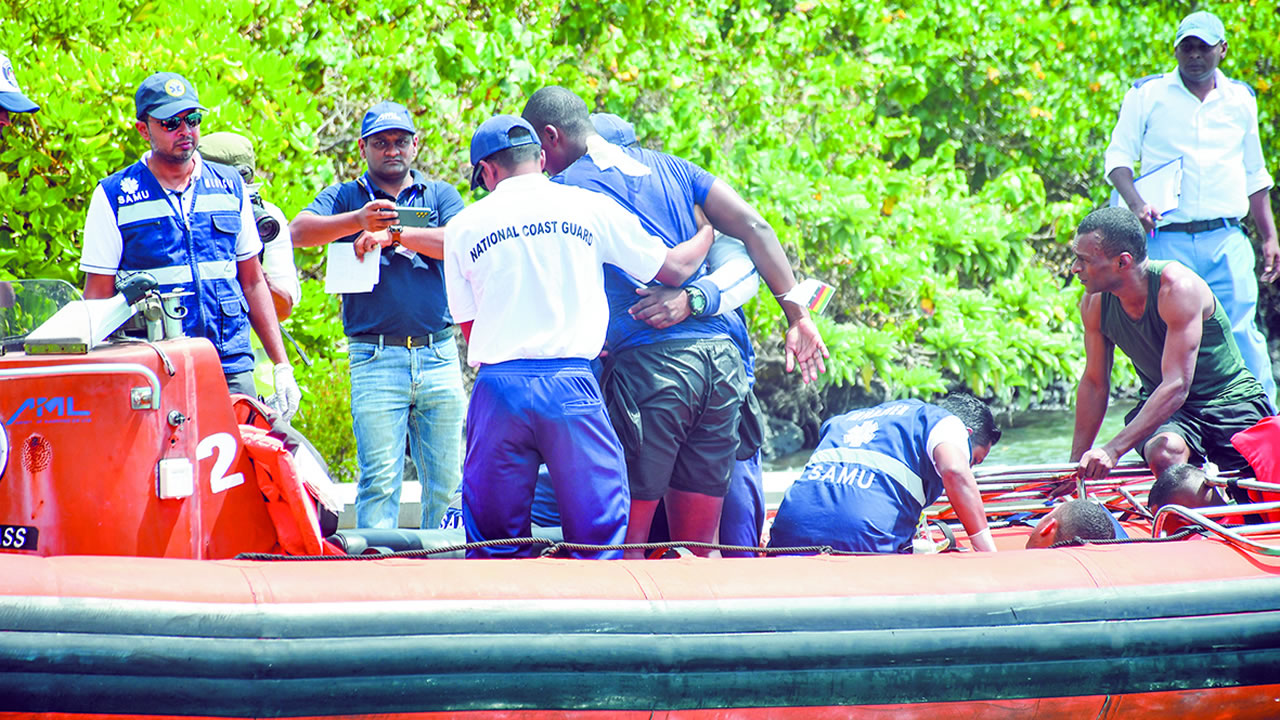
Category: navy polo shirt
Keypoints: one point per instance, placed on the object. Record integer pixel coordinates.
(664, 201)
(409, 298)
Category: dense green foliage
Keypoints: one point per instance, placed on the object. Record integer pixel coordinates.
(928, 158)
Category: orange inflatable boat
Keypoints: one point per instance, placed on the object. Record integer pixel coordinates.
(160, 556)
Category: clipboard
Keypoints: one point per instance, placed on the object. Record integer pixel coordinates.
(1161, 188)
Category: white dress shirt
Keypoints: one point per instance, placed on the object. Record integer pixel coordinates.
(1217, 139)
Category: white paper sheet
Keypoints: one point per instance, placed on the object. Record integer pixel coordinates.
(343, 273)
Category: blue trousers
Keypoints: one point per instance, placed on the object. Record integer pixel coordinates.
(527, 412)
(1224, 257)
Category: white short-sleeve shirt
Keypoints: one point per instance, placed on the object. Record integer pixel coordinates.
(526, 265)
(1217, 139)
(949, 430)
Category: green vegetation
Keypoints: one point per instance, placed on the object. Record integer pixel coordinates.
(928, 158)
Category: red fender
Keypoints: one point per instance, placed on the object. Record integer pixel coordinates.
(1259, 446)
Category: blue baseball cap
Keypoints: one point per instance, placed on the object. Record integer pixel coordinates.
(386, 116)
(1204, 25)
(11, 97)
(494, 135)
(614, 129)
(164, 95)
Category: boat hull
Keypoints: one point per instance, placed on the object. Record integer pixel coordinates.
(690, 637)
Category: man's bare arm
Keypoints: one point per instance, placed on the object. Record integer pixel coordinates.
(952, 464)
(685, 258)
(98, 286)
(1122, 179)
(424, 241)
(309, 229)
(262, 313)
(733, 216)
(1094, 389)
(1181, 304)
(1260, 211)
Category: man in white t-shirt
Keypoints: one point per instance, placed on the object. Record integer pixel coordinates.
(524, 275)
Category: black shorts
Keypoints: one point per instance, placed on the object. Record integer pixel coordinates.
(1208, 430)
(675, 406)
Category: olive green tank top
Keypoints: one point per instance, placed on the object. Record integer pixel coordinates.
(1220, 376)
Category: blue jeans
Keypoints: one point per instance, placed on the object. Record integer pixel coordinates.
(1225, 259)
(398, 391)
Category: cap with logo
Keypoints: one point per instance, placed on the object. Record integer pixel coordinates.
(386, 116)
(494, 135)
(164, 95)
(614, 129)
(231, 149)
(1204, 25)
(11, 97)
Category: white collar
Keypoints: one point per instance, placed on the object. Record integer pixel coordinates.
(607, 155)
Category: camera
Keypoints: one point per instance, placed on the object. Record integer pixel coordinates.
(268, 226)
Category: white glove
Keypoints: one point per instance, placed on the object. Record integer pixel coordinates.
(288, 396)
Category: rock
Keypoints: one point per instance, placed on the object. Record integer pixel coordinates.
(782, 438)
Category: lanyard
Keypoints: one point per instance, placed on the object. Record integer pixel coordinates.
(364, 184)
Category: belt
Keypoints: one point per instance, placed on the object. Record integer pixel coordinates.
(411, 341)
(1199, 226)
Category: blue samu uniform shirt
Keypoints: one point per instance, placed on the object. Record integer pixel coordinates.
(867, 482)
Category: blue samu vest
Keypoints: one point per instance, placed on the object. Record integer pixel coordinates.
(199, 259)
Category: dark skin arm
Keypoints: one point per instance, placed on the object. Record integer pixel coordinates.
(1265, 222)
(1122, 179)
(733, 216)
(1095, 383)
(685, 259)
(98, 286)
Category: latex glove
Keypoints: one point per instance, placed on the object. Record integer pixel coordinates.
(288, 396)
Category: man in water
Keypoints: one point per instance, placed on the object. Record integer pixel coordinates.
(1084, 519)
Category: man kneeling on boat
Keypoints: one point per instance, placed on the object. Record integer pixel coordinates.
(875, 471)
(1196, 391)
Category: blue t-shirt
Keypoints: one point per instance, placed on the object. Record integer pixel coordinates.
(409, 298)
(866, 483)
(664, 201)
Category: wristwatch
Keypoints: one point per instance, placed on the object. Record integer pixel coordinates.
(394, 231)
(697, 300)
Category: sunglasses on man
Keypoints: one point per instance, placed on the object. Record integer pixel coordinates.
(171, 124)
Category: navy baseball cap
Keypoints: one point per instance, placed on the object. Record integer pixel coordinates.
(1204, 25)
(614, 129)
(386, 116)
(164, 95)
(494, 135)
(11, 97)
